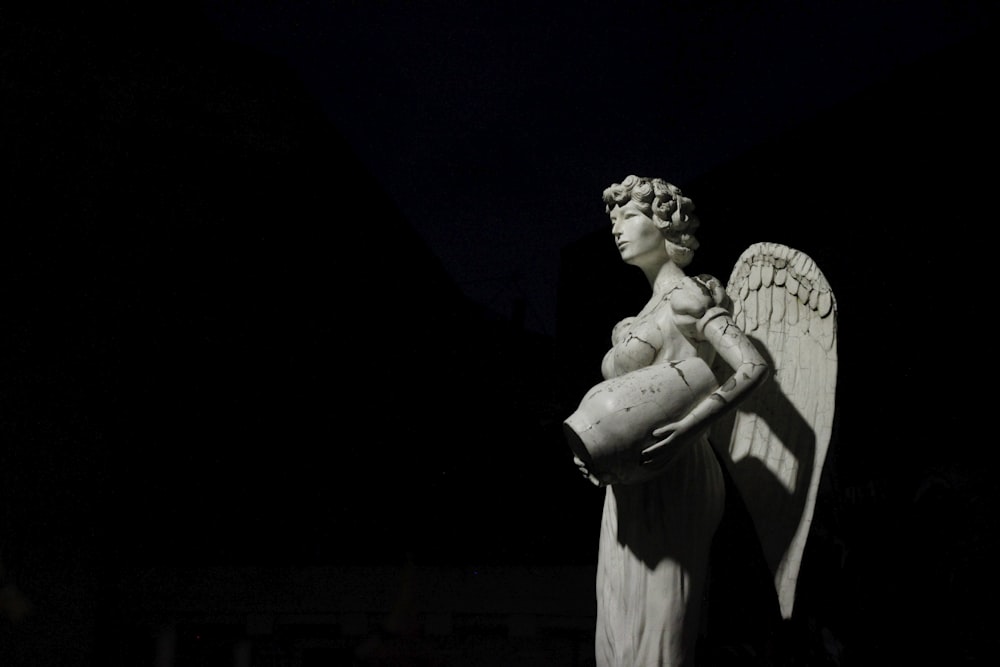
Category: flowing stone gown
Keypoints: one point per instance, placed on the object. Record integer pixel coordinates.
(656, 535)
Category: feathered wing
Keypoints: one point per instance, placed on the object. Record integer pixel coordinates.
(775, 444)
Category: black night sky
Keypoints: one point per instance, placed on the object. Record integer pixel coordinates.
(301, 284)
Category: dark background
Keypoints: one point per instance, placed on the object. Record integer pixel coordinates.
(317, 285)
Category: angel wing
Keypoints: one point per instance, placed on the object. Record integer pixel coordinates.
(775, 444)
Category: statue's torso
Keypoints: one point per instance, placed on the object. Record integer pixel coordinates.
(656, 535)
(652, 336)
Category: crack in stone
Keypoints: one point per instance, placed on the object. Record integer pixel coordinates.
(632, 337)
(680, 371)
(715, 396)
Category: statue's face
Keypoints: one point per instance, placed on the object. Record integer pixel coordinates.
(639, 241)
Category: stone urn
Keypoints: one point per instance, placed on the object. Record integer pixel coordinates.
(616, 418)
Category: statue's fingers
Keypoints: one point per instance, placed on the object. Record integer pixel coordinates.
(649, 456)
(663, 430)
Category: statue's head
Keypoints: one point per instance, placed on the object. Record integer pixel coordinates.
(671, 212)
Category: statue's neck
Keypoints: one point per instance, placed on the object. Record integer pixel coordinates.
(665, 277)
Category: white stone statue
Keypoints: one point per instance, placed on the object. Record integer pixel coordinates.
(747, 368)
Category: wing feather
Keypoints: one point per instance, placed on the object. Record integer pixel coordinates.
(791, 301)
(763, 304)
(738, 316)
(825, 303)
(754, 278)
(767, 275)
(780, 273)
(750, 310)
(804, 289)
(775, 446)
(777, 301)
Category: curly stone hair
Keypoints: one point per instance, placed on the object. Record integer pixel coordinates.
(671, 211)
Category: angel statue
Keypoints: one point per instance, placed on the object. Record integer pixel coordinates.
(706, 375)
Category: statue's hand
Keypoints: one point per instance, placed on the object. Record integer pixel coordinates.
(661, 453)
(586, 473)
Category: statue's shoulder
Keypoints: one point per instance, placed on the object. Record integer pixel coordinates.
(695, 296)
(695, 301)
